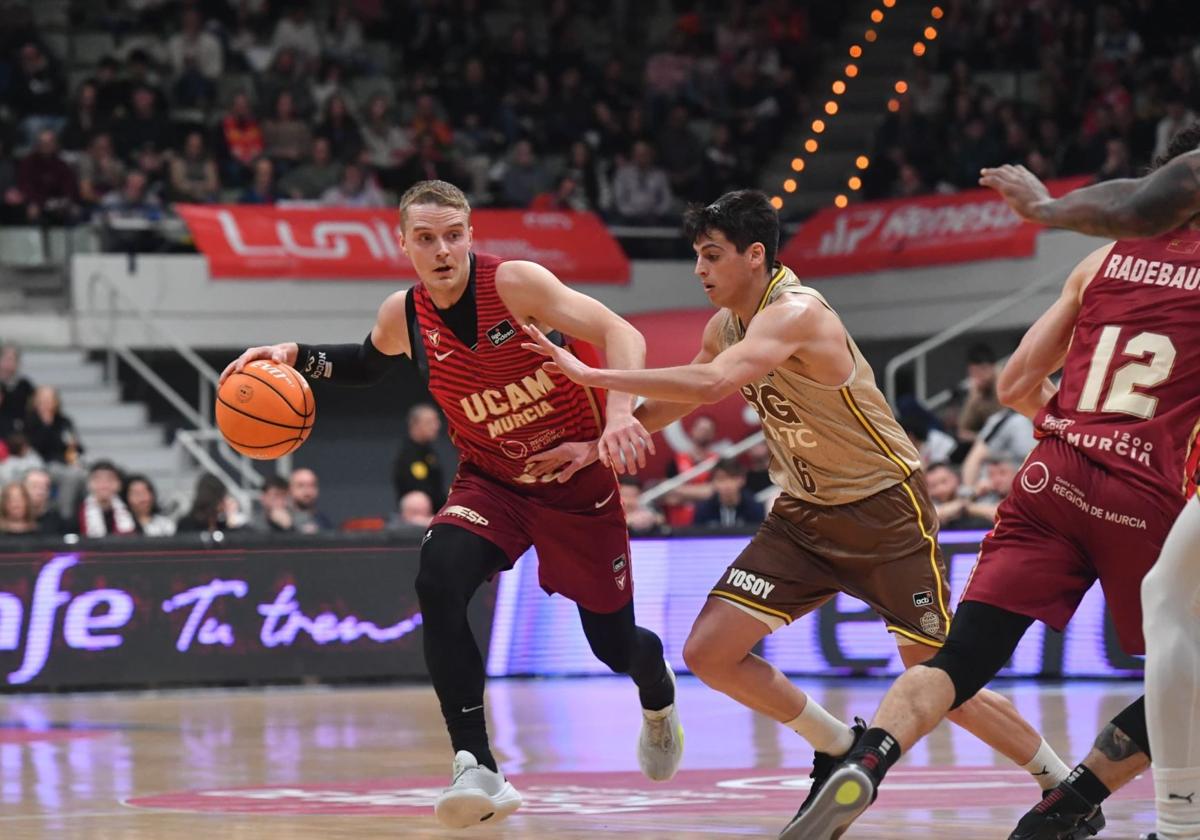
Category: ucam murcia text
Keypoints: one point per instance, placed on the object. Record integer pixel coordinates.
(518, 404)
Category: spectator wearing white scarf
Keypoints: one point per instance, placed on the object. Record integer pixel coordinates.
(103, 512)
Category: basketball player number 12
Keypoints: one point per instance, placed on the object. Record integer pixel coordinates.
(1122, 397)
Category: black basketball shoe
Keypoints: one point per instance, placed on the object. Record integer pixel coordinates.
(1061, 815)
(824, 765)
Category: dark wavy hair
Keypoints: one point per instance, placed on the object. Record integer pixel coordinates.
(1185, 140)
(744, 216)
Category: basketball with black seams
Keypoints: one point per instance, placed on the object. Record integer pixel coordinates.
(266, 410)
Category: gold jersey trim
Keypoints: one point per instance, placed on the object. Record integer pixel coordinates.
(747, 602)
(848, 397)
(776, 278)
(908, 634)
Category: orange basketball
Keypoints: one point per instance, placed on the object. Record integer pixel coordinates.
(265, 411)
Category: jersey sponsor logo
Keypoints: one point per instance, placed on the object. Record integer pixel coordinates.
(1152, 272)
(434, 336)
(501, 333)
(780, 418)
(621, 562)
(1035, 477)
(1120, 443)
(1075, 496)
(465, 513)
(923, 599)
(751, 583)
(518, 404)
(1050, 423)
(514, 449)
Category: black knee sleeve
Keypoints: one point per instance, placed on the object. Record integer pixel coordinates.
(619, 643)
(982, 639)
(1132, 721)
(612, 637)
(454, 562)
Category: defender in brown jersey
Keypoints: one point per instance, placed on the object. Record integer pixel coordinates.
(854, 515)
(460, 326)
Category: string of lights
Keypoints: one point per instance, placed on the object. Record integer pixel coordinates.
(831, 107)
(811, 145)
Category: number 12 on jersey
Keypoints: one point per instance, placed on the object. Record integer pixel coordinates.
(1122, 397)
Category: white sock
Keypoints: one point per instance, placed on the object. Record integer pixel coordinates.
(1046, 767)
(826, 733)
(1177, 795)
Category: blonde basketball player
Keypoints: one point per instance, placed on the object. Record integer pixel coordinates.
(854, 515)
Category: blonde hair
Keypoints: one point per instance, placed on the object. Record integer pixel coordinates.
(441, 193)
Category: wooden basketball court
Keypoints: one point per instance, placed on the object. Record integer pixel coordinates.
(365, 762)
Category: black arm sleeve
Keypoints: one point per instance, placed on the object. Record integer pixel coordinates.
(345, 364)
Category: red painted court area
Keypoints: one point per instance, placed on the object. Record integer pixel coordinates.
(362, 763)
(691, 792)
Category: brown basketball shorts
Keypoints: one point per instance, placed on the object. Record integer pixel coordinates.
(882, 550)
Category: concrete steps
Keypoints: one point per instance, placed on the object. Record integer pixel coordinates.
(110, 429)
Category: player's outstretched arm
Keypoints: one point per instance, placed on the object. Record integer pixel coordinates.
(566, 459)
(1023, 384)
(343, 364)
(1129, 207)
(775, 334)
(533, 293)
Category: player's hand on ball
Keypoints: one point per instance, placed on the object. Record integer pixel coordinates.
(1019, 187)
(561, 361)
(624, 444)
(284, 354)
(566, 459)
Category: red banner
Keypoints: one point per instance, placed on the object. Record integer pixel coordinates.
(909, 232)
(337, 243)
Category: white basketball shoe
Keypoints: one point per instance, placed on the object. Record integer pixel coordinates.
(660, 745)
(475, 795)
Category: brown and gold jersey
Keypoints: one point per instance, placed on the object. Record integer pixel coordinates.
(830, 444)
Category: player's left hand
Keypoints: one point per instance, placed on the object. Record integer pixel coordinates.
(1019, 187)
(561, 361)
(563, 461)
(624, 444)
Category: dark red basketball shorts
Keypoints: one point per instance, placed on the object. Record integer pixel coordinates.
(578, 529)
(1067, 523)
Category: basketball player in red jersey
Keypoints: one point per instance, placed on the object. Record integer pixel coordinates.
(1095, 499)
(1164, 201)
(461, 325)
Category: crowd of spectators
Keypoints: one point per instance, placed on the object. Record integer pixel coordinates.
(973, 448)
(51, 486)
(346, 102)
(1065, 87)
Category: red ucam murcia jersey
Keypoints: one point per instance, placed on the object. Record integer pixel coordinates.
(500, 405)
(1130, 392)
